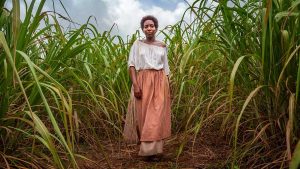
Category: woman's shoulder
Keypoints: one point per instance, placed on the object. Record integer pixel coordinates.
(134, 44)
(160, 43)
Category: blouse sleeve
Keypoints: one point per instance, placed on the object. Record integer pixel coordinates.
(166, 64)
(132, 55)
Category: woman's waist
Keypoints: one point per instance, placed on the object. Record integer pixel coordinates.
(149, 66)
(149, 70)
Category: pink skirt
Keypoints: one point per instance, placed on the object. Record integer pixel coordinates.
(148, 119)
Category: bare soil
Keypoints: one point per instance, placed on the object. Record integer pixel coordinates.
(208, 150)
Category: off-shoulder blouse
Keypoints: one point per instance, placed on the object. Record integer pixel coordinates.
(147, 56)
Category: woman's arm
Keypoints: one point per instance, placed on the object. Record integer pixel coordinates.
(132, 72)
(136, 89)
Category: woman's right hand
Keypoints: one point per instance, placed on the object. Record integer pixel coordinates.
(137, 91)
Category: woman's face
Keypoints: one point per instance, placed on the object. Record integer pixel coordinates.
(149, 28)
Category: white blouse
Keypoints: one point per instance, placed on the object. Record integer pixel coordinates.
(146, 56)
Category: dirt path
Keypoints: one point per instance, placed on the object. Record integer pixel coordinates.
(208, 151)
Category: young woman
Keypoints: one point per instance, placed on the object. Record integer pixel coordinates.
(148, 120)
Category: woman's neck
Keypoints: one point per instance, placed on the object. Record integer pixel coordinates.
(150, 39)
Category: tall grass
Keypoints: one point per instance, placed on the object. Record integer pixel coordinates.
(260, 43)
(256, 49)
(235, 65)
(57, 88)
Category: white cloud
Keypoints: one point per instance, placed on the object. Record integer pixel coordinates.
(125, 13)
(128, 13)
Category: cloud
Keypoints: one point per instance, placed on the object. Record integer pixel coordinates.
(128, 13)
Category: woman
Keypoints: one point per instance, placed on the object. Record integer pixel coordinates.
(148, 120)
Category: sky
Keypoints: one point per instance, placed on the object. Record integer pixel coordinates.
(125, 14)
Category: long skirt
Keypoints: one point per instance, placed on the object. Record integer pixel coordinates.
(148, 120)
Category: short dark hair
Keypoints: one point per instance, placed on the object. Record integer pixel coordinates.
(149, 17)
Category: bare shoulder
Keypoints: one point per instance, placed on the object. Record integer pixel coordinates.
(161, 44)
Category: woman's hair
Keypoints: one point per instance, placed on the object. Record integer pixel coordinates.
(149, 17)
